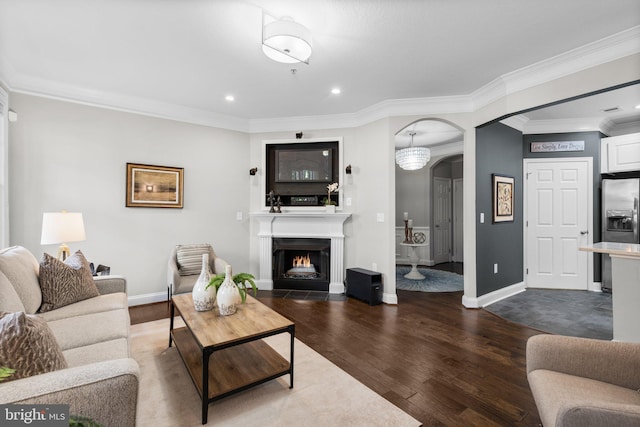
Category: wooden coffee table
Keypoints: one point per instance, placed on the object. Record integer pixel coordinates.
(225, 354)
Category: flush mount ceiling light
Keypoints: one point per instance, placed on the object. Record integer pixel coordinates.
(286, 41)
(412, 158)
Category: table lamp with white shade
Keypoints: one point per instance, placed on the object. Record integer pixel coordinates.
(62, 227)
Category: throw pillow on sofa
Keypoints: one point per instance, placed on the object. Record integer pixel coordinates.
(28, 345)
(63, 283)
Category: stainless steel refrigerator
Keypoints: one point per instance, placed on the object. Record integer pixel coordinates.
(619, 217)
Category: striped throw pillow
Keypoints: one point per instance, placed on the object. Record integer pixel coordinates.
(189, 258)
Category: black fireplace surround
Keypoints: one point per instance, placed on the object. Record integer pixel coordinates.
(286, 277)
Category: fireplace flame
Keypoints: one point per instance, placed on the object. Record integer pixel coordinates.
(302, 261)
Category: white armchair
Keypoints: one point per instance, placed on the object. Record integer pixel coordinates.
(185, 262)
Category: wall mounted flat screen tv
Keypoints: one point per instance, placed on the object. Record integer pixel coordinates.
(303, 165)
(298, 173)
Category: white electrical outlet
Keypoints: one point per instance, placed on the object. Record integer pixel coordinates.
(348, 201)
(380, 217)
(374, 266)
(495, 268)
(481, 217)
(239, 216)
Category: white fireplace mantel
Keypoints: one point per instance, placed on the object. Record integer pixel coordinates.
(319, 225)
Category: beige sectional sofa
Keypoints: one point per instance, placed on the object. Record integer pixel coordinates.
(101, 381)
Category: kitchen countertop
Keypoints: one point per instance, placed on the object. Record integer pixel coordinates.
(614, 248)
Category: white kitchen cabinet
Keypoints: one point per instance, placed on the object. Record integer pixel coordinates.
(620, 153)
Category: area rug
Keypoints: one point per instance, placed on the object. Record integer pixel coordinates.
(434, 281)
(562, 312)
(323, 394)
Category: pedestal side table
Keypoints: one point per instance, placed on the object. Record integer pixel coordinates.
(414, 274)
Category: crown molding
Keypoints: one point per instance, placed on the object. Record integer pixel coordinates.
(616, 46)
(611, 48)
(605, 50)
(607, 126)
(380, 110)
(623, 128)
(125, 103)
(517, 122)
(584, 124)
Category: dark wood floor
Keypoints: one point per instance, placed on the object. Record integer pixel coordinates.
(443, 364)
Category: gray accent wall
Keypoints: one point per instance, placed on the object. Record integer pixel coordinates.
(498, 150)
(591, 149)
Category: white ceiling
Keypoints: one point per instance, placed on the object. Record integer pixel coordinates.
(192, 53)
(428, 132)
(619, 106)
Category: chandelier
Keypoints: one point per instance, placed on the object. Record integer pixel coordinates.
(412, 158)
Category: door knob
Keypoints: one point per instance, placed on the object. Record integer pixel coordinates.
(583, 232)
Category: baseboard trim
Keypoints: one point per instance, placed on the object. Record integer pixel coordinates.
(389, 298)
(495, 296)
(147, 298)
(595, 287)
(264, 285)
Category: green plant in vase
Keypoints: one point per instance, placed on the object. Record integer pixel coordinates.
(240, 279)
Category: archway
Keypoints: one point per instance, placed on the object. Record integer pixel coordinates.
(415, 195)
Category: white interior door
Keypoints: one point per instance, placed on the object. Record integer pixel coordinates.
(558, 220)
(458, 240)
(441, 220)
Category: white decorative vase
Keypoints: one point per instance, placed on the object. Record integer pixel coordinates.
(228, 294)
(204, 299)
(330, 208)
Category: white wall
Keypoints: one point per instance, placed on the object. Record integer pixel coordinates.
(412, 195)
(70, 156)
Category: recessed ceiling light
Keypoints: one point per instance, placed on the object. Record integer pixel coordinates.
(229, 98)
(336, 91)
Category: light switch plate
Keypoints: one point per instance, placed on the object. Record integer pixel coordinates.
(481, 217)
(239, 216)
(380, 217)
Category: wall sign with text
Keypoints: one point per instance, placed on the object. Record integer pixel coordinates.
(550, 147)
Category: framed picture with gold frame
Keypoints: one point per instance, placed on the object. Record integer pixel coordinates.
(151, 186)
(502, 194)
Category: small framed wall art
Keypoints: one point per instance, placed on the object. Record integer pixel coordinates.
(502, 194)
(154, 186)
